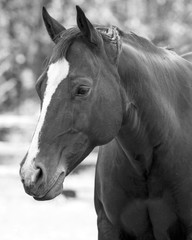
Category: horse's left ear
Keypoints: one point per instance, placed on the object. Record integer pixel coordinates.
(53, 27)
(86, 27)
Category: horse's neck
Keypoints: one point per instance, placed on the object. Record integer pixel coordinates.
(136, 136)
(133, 139)
(159, 85)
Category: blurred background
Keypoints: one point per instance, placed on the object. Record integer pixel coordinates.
(24, 48)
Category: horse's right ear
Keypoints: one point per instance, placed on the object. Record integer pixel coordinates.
(53, 27)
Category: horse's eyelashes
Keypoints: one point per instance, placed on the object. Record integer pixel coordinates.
(82, 91)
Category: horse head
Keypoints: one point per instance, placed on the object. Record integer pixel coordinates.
(81, 104)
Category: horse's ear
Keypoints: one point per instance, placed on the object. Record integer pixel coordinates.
(86, 27)
(53, 27)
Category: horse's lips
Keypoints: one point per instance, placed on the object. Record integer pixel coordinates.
(54, 191)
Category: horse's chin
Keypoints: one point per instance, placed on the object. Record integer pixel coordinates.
(54, 191)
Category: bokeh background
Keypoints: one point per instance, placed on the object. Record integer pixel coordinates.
(24, 49)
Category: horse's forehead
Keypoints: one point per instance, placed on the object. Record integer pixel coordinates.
(83, 61)
(57, 71)
(79, 53)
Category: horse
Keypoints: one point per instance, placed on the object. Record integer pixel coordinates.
(104, 87)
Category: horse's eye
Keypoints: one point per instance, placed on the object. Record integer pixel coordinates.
(82, 91)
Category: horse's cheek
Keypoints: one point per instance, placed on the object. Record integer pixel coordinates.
(106, 122)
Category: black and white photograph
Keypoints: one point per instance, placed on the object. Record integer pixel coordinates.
(95, 120)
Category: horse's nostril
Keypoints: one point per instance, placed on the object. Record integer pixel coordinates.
(36, 176)
(39, 173)
(33, 178)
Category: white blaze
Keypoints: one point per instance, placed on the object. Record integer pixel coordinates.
(56, 73)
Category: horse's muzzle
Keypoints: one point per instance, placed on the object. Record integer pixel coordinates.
(35, 182)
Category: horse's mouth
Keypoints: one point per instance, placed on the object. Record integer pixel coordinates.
(54, 191)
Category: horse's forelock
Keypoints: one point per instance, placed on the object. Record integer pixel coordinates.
(66, 39)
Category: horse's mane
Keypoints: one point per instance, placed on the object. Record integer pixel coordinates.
(143, 43)
(167, 74)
